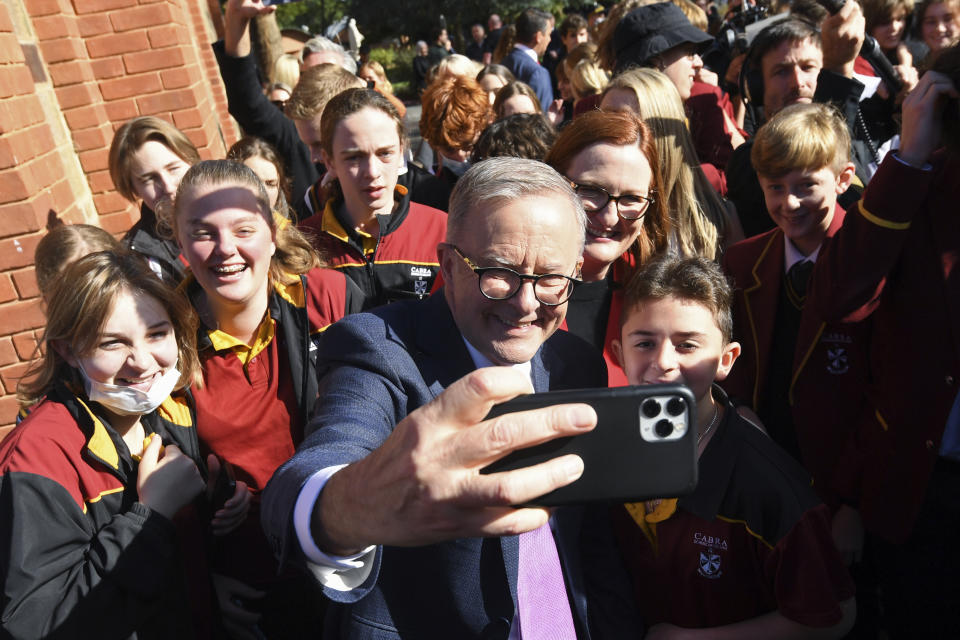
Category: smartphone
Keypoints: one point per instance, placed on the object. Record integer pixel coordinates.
(267, 3)
(644, 445)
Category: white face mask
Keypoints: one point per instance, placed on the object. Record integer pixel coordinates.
(128, 401)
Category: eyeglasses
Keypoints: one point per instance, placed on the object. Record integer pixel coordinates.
(629, 206)
(501, 283)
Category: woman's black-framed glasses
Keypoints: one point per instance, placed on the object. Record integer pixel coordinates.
(501, 283)
(629, 206)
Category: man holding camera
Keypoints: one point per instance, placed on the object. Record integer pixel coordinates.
(791, 61)
(385, 501)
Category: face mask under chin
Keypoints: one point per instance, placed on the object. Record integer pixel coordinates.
(128, 401)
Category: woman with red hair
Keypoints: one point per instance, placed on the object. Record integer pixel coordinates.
(455, 111)
(612, 162)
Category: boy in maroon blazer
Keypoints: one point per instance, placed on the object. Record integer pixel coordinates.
(802, 376)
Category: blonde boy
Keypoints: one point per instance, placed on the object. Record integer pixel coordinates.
(802, 158)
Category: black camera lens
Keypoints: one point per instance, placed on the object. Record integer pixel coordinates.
(663, 428)
(651, 408)
(676, 406)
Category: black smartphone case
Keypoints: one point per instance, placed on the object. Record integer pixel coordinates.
(620, 464)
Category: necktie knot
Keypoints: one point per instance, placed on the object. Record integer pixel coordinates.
(799, 276)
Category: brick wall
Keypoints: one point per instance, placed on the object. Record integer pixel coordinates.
(71, 72)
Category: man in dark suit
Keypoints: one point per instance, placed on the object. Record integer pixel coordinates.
(533, 35)
(384, 500)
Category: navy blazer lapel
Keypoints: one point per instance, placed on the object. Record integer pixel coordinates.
(440, 354)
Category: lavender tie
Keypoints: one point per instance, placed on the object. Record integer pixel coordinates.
(542, 602)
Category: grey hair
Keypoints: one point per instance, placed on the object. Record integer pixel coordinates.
(318, 44)
(495, 181)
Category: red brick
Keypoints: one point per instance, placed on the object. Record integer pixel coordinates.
(84, 117)
(140, 17)
(62, 49)
(72, 72)
(198, 137)
(7, 291)
(94, 25)
(26, 283)
(179, 78)
(117, 223)
(153, 59)
(168, 101)
(92, 138)
(10, 50)
(8, 155)
(19, 113)
(119, 111)
(43, 7)
(106, 68)
(94, 6)
(129, 86)
(110, 202)
(63, 196)
(188, 119)
(25, 343)
(15, 80)
(13, 186)
(16, 253)
(100, 181)
(94, 160)
(116, 43)
(167, 35)
(11, 374)
(8, 355)
(29, 143)
(24, 217)
(77, 95)
(56, 26)
(6, 25)
(45, 170)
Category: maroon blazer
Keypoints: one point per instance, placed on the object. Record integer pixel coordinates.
(827, 390)
(897, 260)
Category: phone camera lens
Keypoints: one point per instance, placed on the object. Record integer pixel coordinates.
(651, 408)
(676, 406)
(663, 428)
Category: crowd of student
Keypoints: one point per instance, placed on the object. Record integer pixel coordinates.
(777, 232)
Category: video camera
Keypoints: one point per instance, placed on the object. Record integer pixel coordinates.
(735, 35)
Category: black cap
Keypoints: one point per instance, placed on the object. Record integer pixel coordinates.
(648, 31)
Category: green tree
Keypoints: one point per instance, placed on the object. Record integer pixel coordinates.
(384, 19)
(314, 15)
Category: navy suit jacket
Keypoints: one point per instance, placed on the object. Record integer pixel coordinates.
(377, 368)
(527, 70)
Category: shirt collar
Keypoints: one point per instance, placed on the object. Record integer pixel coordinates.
(530, 52)
(792, 255)
(480, 361)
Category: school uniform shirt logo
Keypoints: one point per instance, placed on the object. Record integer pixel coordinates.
(420, 287)
(420, 272)
(710, 559)
(709, 565)
(838, 361)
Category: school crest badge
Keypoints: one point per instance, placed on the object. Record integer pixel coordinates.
(837, 360)
(709, 564)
